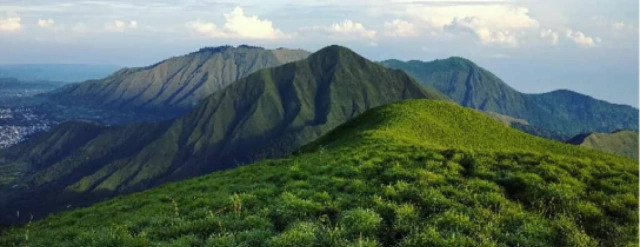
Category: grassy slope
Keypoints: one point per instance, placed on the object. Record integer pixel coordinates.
(408, 174)
(623, 143)
(564, 113)
(178, 82)
(48, 147)
(267, 114)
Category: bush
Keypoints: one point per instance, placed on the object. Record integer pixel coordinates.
(360, 222)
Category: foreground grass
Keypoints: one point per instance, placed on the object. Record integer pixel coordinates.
(393, 177)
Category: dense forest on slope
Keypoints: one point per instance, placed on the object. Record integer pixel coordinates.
(177, 83)
(560, 114)
(265, 115)
(622, 142)
(406, 174)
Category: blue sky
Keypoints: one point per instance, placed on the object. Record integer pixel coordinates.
(589, 46)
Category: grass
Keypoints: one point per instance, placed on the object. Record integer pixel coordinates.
(398, 175)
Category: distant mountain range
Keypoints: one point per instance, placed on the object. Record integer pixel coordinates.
(56, 72)
(177, 83)
(622, 142)
(561, 113)
(267, 114)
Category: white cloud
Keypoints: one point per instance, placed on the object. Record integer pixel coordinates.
(116, 26)
(45, 23)
(121, 26)
(10, 24)
(493, 24)
(497, 16)
(622, 27)
(618, 25)
(550, 34)
(349, 29)
(581, 39)
(238, 25)
(486, 36)
(400, 28)
(206, 28)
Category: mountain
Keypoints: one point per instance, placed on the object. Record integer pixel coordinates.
(177, 83)
(563, 112)
(56, 72)
(524, 126)
(267, 114)
(506, 120)
(622, 142)
(409, 174)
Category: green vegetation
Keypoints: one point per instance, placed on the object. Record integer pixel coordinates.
(557, 115)
(57, 143)
(177, 83)
(623, 142)
(268, 114)
(414, 173)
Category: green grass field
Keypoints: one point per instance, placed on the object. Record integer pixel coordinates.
(415, 173)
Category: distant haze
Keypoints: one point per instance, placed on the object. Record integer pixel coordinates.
(56, 72)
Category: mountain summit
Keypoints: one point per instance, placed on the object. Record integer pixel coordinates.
(177, 83)
(267, 114)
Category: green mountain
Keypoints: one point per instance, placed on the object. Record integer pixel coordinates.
(524, 126)
(414, 173)
(177, 83)
(563, 112)
(506, 120)
(623, 142)
(267, 114)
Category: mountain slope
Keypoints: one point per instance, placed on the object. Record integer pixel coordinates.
(267, 114)
(563, 112)
(623, 142)
(408, 174)
(177, 83)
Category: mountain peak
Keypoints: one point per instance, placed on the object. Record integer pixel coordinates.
(335, 49)
(224, 48)
(334, 55)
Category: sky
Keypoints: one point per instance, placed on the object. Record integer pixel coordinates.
(535, 46)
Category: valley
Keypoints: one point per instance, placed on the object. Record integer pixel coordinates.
(25, 111)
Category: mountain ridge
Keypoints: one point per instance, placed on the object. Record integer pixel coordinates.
(619, 142)
(564, 112)
(179, 82)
